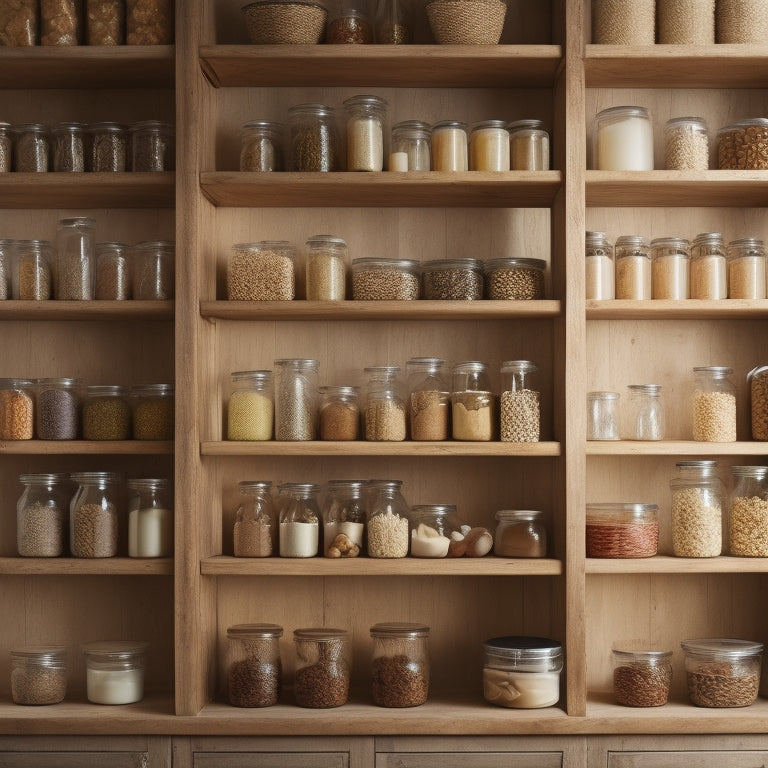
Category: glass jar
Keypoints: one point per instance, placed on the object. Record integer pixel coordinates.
(376, 279)
(686, 22)
(344, 513)
(453, 279)
(365, 132)
(254, 666)
(109, 147)
(686, 144)
(339, 413)
(32, 278)
(697, 510)
(740, 146)
(489, 146)
(602, 415)
(514, 279)
(152, 146)
(93, 514)
(393, 22)
(746, 269)
(722, 672)
(150, 518)
(31, 148)
(114, 671)
(323, 667)
(149, 22)
(520, 533)
(644, 414)
(152, 411)
(296, 401)
(251, 408)
(6, 143)
(61, 22)
(748, 512)
(75, 259)
(641, 678)
(68, 147)
(313, 142)
(7, 249)
(740, 21)
(262, 271)
(388, 528)
(618, 530)
(255, 528)
(38, 675)
(57, 410)
(713, 410)
(400, 664)
(600, 273)
(105, 22)
(520, 407)
(299, 516)
(106, 413)
(633, 268)
(522, 672)
(326, 268)
(350, 26)
(41, 515)
(153, 270)
(17, 409)
(757, 383)
(429, 399)
(450, 146)
(473, 405)
(113, 272)
(261, 146)
(623, 140)
(382, 378)
(528, 146)
(385, 416)
(432, 527)
(414, 139)
(709, 274)
(22, 24)
(670, 267)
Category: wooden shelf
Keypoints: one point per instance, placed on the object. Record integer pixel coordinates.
(87, 447)
(86, 310)
(72, 566)
(674, 448)
(681, 565)
(689, 309)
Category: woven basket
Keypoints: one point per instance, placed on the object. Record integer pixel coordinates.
(284, 23)
(467, 22)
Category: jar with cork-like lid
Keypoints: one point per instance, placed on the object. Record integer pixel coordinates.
(254, 665)
(322, 668)
(713, 404)
(746, 260)
(600, 272)
(400, 664)
(709, 272)
(254, 530)
(251, 407)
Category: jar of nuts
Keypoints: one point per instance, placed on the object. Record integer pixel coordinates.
(697, 510)
(254, 671)
(713, 404)
(349, 25)
(514, 279)
(747, 524)
(520, 407)
(41, 514)
(641, 677)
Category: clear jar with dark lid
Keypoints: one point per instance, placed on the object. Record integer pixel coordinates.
(514, 279)
(149, 22)
(713, 404)
(75, 259)
(61, 22)
(709, 273)
(262, 271)
(740, 146)
(365, 132)
(520, 533)
(414, 138)
(349, 25)
(93, 514)
(388, 527)
(41, 515)
(747, 521)
(106, 413)
(261, 146)
(450, 146)
(323, 667)
(746, 269)
(105, 22)
(326, 271)
(376, 279)
(254, 666)
(38, 674)
(600, 273)
(109, 147)
(152, 146)
(432, 527)
(251, 407)
(644, 417)
(57, 408)
(32, 273)
(686, 144)
(632, 255)
(6, 148)
(296, 399)
(113, 272)
(697, 510)
(529, 146)
(429, 398)
(344, 512)
(489, 146)
(69, 147)
(150, 517)
(152, 411)
(21, 23)
(31, 148)
(255, 526)
(153, 270)
(757, 385)
(473, 406)
(400, 664)
(622, 530)
(453, 279)
(641, 678)
(670, 267)
(339, 413)
(520, 403)
(313, 141)
(17, 409)
(299, 516)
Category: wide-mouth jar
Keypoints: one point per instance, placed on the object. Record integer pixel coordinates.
(115, 671)
(400, 664)
(623, 139)
(713, 406)
(152, 408)
(414, 139)
(622, 530)
(57, 408)
(453, 279)
(520, 533)
(38, 675)
(529, 146)
(489, 146)
(450, 146)
(106, 412)
(376, 279)
(740, 146)
(261, 271)
(41, 514)
(515, 279)
(433, 528)
(641, 677)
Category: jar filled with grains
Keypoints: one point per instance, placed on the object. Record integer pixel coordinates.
(313, 141)
(748, 512)
(453, 279)
(326, 271)
(38, 675)
(686, 22)
(644, 417)
(261, 146)
(251, 408)
(93, 514)
(388, 527)
(41, 515)
(686, 144)
(376, 279)
(623, 140)
(603, 415)
(57, 408)
(713, 412)
(61, 22)
(262, 271)
(429, 398)
(489, 146)
(641, 678)
(152, 146)
(299, 516)
(323, 667)
(150, 518)
(19, 26)
(113, 272)
(344, 512)
(6, 145)
(254, 666)
(149, 22)
(633, 268)
(7, 249)
(746, 269)
(114, 671)
(109, 147)
(741, 21)
(339, 413)
(400, 664)
(624, 22)
(514, 279)
(528, 146)
(520, 408)
(31, 148)
(473, 404)
(106, 413)
(385, 416)
(255, 527)
(722, 672)
(17, 409)
(153, 270)
(152, 411)
(520, 533)
(600, 273)
(296, 399)
(757, 383)
(709, 274)
(450, 146)
(349, 25)
(68, 147)
(622, 530)
(697, 510)
(105, 22)
(365, 132)
(743, 146)
(75, 259)
(414, 139)
(670, 268)
(394, 23)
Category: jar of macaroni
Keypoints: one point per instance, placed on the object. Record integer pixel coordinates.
(254, 532)
(633, 268)
(429, 401)
(528, 146)
(365, 132)
(713, 404)
(400, 664)
(747, 522)
(450, 146)
(299, 519)
(344, 513)
(600, 272)
(261, 146)
(254, 665)
(746, 269)
(623, 140)
(326, 271)
(709, 273)
(339, 413)
(251, 408)
(489, 146)
(697, 510)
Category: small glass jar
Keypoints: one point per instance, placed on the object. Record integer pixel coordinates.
(93, 514)
(641, 678)
(686, 144)
(450, 146)
(713, 411)
(709, 273)
(429, 399)
(528, 146)
(153, 271)
(152, 146)
(339, 413)
(376, 279)
(323, 667)
(349, 26)
(75, 259)
(38, 675)
(68, 147)
(633, 268)
(489, 146)
(748, 512)
(32, 270)
(722, 672)
(41, 515)
(644, 414)
(152, 411)
(520, 533)
(365, 132)
(106, 413)
(114, 671)
(432, 527)
(393, 23)
(255, 527)
(473, 405)
(113, 272)
(740, 146)
(326, 271)
(105, 22)
(61, 22)
(520, 406)
(261, 146)
(262, 271)
(746, 269)
(344, 513)
(697, 510)
(251, 407)
(313, 142)
(388, 528)
(453, 279)
(522, 672)
(414, 139)
(150, 518)
(619, 530)
(623, 140)
(254, 666)
(22, 24)
(600, 272)
(602, 415)
(17, 409)
(6, 144)
(299, 516)
(400, 664)
(108, 147)
(514, 279)
(296, 399)
(31, 148)
(757, 384)
(57, 408)
(149, 22)
(670, 268)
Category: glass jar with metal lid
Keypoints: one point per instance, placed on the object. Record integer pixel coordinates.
(514, 278)
(740, 146)
(375, 279)
(150, 518)
(641, 677)
(450, 146)
(109, 144)
(261, 146)
(57, 408)
(38, 674)
(622, 530)
(400, 664)
(93, 514)
(520, 406)
(623, 140)
(428, 398)
(313, 141)
(251, 407)
(75, 259)
(489, 146)
(633, 267)
(114, 671)
(106, 412)
(152, 411)
(152, 146)
(31, 148)
(600, 272)
(713, 410)
(747, 522)
(326, 271)
(339, 412)
(68, 153)
(413, 138)
(757, 384)
(254, 665)
(520, 533)
(344, 512)
(255, 528)
(709, 273)
(41, 514)
(323, 667)
(670, 267)
(388, 527)
(473, 404)
(529, 146)
(365, 132)
(453, 279)
(686, 144)
(432, 527)
(299, 516)
(746, 269)
(153, 270)
(113, 272)
(17, 409)
(261, 271)
(296, 399)
(644, 417)
(697, 510)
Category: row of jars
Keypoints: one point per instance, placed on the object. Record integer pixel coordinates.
(76, 147)
(64, 409)
(290, 405)
(77, 268)
(370, 517)
(51, 517)
(310, 141)
(705, 522)
(674, 267)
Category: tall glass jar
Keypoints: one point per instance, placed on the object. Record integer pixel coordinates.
(6, 145)
(709, 273)
(21, 25)
(251, 407)
(428, 398)
(296, 401)
(434, 528)
(393, 22)
(68, 147)
(520, 533)
(32, 270)
(75, 259)
(105, 22)
(299, 516)
(748, 512)
(41, 515)
(387, 520)
(326, 268)
(520, 408)
(623, 140)
(757, 384)
(641, 678)
(38, 675)
(600, 273)
(113, 272)
(489, 146)
(152, 146)
(31, 148)
(603, 415)
(697, 510)
(344, 513)
(261, 146)
(254, 666)
(17, 409)
(473, 405)
(255, 527)
(670, 265)
(414, 139)
(644, 413)
(365, 132)
(57, 411)
(150, 518)
(153, 270)
(686, 144)
(106, 413)
(746, 269)
(262, 271)
(93, 514)
(713, 415)
(633, 267)
(313, 142)
(528, 146)
(323, 667)
(400, 664)
(152, 411)
(450, 146)
(109, 147)
(339, 413)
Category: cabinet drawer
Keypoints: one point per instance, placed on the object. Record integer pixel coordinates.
(470, 760)
(689, 759)
(271, 760)
(73, 759)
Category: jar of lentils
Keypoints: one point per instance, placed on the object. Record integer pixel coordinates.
(254, 667)
(453, 279)
(17, 409)
(709, 274)
(400, 664)
(339, 413)
(514, 279)
(58, 408)
(428, 398)
(255, 527)
(388, 527)
(261, 146)
(313, 142)
(633, 268)
(622, 530)
(713, 404)
(93, 514)
(106, 413)
(251, 408)
(41, 515)
(746, 269)
(31, 148)
(520, 408)
(375, 279)
(697, 510)
(326, 277)
(262, 271)
(670, 265)
(323, 667)
(748, 512)
(641, 678)
(296, 399)
(152, 411)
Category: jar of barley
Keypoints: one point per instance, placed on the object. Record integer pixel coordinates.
(376, 279)
(624, 22)
(713, 410)
(747, 523)
(697, 510)
(741, 21)
(632, 255)
(685, 22)
(709, 274)
(757, 384)
(686, 144)
(746, 269)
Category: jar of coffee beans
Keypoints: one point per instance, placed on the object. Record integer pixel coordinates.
(349, 25)
(323, 667)
(254, 670)
(93, 514)
(400, 664)
(641, 678)
(41, 514)
(38, 675)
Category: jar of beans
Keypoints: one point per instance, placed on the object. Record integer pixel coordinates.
(514, 279)
(296, 399)
(61, 22)
(520, 533)
(450, 146)
(254, 666)
(31, 148)
(326, 272)
(313, 141)
(528, 146)
(105, 22)
(748, 512)
(299, 516)
(41, 514)
(93, 514)
(106, 413)
(109, 147)
(113, 272)
(670, 267)
(453, 279)
(323, 667)
(633, 267)
(150, 517)
(75, 259)
(17, 409)
(413, 138)
(339, 413)
(261, 146)
(697, 510)
(757, 383)
(600, 275)
(709, 274)
(344, 513)
(388, 528)
(520, 407)
(400, 664)
(57, 409)
(376, 279)
(429, 400)
(38, 675)
(251, 407)
(68, 147)
(261, 271)
(641, 678)
(153, 270)
(473, 404)
(152, 410)
(622, 530)
(746, 269)
(714, 404)
(255, 527)
(365, 132)
(152, 146)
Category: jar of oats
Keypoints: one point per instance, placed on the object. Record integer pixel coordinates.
(520, 409)
(261, 146)
(624, 22)
(326, 277)
(713, 405)
(747, 523)
(686, 144)
(709, 273)
(514, 279)
(670, 268)
(746, 269)
(262, 271)
(633, 267)
(697, 510)
(376, 279)
(251, 407)
(757, 384)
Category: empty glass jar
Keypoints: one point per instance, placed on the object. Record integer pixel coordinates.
(602, 415)
(644, 413)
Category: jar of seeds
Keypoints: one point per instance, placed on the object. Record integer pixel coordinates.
(393, 23)
(75, 259)
(757, 384)
(61, 22)
(262, 271)
(31, 270)
(339, 413)
(520, 408)
(528, 146)
(6, 145)
(149, 22)
(150, 518)
(261, 146)
(709, 274)
(344, 512)
(381, 380)
(41, 515)
(641, 678)
(299, 516)
(600, 273)
(152, 411)
(106, 413)
(251, 408)
(105, 22)
(323, 667)
(296, 402)
(633, 267)
(713, 405)
(19, 24)
(255, 526)
(31, 148)
(68, 147)
(400, 664)
(93, 514)
(376, 279)
(748, 512)
(113, 272)
(57, 408)
(388, 527)
(413, 138)
(514, 279)
(450, 146)
(644, 415)
(697, 510)
(686, 144)
(326, 278)
(108, 142)
(349, 25)
(153, 271)
(365, 132)
(429, 398)
(624, 22)
(489, 146)
(313, 142)
(453, 279)
(38, 675)
(254, 667)
(152, 146)
(17, 410)
(746, 269)
(473, 405)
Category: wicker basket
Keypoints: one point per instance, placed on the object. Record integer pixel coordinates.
(284, 23)
(467, 22)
